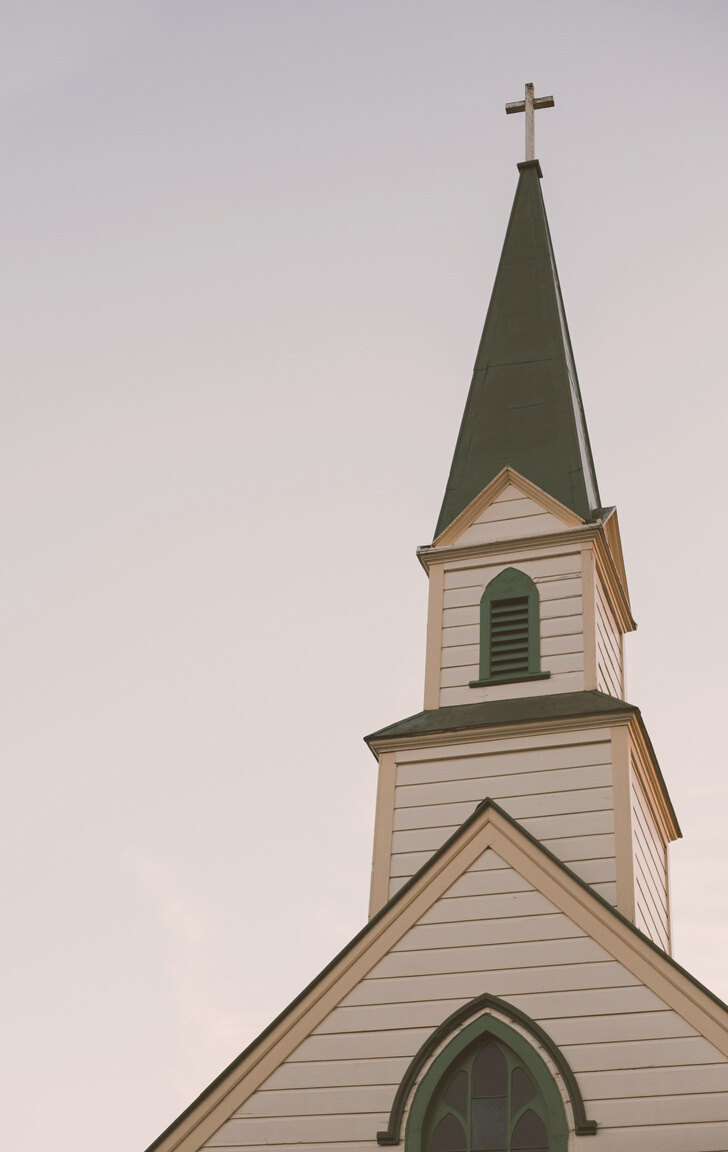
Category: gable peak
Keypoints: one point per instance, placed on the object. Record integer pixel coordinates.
(507, 488)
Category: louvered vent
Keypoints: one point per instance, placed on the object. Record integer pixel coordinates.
(509, 636)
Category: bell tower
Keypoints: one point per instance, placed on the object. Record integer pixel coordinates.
(528, 607)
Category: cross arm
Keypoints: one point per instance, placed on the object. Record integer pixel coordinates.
(539, 102)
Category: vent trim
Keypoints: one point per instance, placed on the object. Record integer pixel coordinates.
(510, 644)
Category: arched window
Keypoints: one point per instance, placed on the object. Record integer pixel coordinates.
(510, 643)
(484, 1094)
(488, 1102)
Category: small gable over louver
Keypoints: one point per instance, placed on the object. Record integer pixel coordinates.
(509, 507)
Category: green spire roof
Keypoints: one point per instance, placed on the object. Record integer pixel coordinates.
(524, 408)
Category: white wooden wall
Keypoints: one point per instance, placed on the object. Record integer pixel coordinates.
(609, 644)
(559, 787)
(652, 893)
(557, 574)
(510, 515)
(648, 1078)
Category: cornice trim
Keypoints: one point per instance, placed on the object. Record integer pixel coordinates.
(658, 796)
(611, 582)
(429, 554)
(614, 539)
(538, 727)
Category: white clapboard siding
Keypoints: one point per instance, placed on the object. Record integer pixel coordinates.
(557, 576)
(610, 672)
(563, 682)
(535, 793)
(575, 853)
(580, 853)
(674, 1082)
(557, 563)
(563, 1010)
(648, 1079)
(559, 787)
(491, 906)
(498, 744)
(388, 1042)
(608, 891)
(510, 515)
(570, 825)
(554, 804)
(335, 1074)
(660, 1110)
(652, 900)
(554, 751)
(251, 1132)
(477, 932)
(329, 1101)
(550, 588)
(596, 872)
(622, 1027)
(596, 977)
(666, 1138)
(490, 957)
(343, 1145)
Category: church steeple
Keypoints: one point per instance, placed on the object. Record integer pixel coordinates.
(524, 409)
(528, 607)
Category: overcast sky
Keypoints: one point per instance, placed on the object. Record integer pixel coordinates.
(247, 251)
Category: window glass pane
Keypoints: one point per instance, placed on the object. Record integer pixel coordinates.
(490, 1075)
(488, 1131)
(522, 1090)
(530, 1133)
(457, 1093)
(448, 1136)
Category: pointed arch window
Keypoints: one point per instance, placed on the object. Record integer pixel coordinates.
(487, 1091)
(489, 1103)
(510, 641)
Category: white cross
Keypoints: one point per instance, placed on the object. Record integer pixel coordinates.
(528, 106)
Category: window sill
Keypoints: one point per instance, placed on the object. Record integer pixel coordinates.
(509, 679)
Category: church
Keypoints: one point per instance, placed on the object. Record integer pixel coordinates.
(514, 987)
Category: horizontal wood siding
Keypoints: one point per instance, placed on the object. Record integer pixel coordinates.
(510, 515)
(652, 900)
(558, 787)
(648, 1079)
(610, 672)
(557, 576)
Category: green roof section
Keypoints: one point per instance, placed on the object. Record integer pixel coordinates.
(524, 408)
(521, 709)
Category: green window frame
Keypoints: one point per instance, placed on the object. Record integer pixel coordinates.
(489, 1090)
(510, 630)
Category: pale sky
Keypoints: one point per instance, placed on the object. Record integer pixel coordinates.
(248, 247)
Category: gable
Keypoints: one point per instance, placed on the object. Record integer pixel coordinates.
(492, 912)
(508, 508)
(491, 931)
